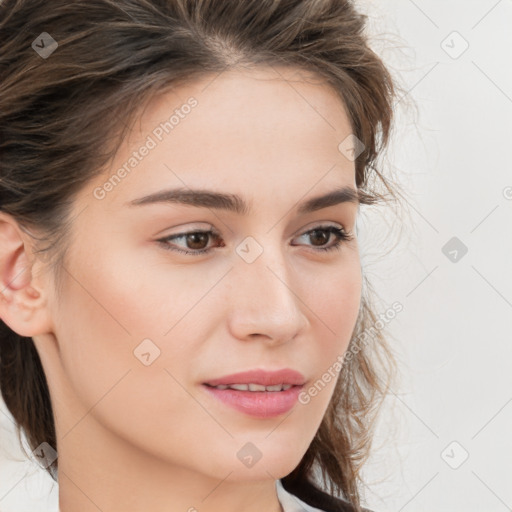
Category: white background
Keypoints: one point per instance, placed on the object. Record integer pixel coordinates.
(453, 337)
(454, 334)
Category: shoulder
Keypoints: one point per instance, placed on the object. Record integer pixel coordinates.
(315, 499)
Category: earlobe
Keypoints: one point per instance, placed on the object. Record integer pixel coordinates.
(23, 302)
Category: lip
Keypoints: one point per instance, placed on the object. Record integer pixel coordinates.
(260, 404)
(262, 377)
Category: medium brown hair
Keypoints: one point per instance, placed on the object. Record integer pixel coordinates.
(63, 117)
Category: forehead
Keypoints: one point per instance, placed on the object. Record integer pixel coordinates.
(262, 97)
(262, 129)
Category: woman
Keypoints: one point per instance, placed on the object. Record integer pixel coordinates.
(182, 296)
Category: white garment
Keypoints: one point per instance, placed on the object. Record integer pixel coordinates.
(291, 503)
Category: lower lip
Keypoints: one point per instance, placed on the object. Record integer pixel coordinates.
(261, 404)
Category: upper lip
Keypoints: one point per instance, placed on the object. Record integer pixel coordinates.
(262, 377)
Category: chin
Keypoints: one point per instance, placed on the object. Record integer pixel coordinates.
(275, 462)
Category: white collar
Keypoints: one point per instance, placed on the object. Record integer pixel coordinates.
(291, 503)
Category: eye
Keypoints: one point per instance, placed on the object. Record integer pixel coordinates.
(323, 233)
(196, 240)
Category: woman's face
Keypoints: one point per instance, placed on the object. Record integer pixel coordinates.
(141, 327)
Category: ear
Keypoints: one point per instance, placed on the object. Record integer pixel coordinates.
(23, 296)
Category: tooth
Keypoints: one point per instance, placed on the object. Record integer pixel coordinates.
(277, 387)
(240, 387)
(256, 387)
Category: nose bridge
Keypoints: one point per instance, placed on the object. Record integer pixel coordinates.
(264, 299)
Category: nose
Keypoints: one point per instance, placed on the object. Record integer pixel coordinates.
(265, 301)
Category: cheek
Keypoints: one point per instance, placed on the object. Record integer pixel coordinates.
(336, 306)
(104, 314)
(335, 303)
(139, 403)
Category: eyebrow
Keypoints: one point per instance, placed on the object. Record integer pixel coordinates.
(231, 202)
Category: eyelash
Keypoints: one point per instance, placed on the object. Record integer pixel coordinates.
(342, 236)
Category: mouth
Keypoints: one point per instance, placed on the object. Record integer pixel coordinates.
(259, 393)
(256, 400)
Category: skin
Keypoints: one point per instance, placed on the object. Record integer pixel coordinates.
(136, 437)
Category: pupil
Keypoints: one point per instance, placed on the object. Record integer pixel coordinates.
(195, 237)
(323, 235)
